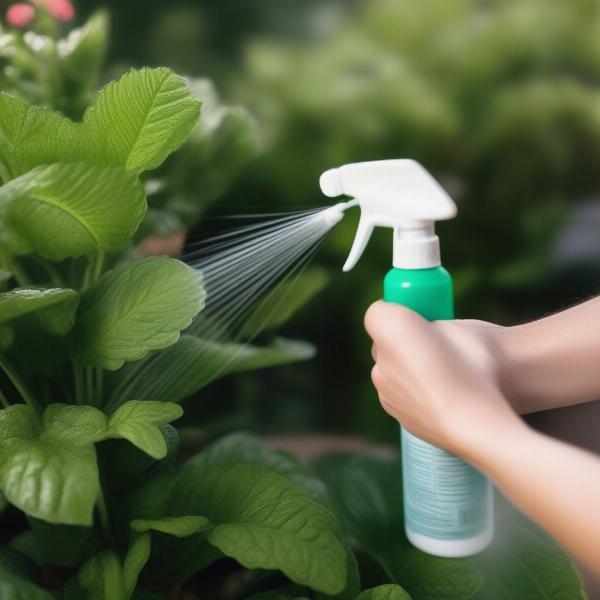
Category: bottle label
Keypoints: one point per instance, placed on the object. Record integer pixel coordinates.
(444, 497)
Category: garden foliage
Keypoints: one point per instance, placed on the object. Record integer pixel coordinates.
(89, 332)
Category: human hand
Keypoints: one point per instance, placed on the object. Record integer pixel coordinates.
(440, 380)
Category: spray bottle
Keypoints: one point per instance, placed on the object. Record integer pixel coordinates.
(448, 508)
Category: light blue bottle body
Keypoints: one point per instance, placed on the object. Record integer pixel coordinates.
(448, 505)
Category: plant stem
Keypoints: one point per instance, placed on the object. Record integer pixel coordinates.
(3, 400)
(99, 387)
(93, 271)
(18, 383)
(102, 506)
(104, 520)
(77, 376)
(89, 386)
(98, 266)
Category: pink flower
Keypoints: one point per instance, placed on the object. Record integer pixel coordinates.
(18, 15)
(61, 10)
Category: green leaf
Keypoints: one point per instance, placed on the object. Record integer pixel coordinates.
(367, 494)
(245, 449)
(224, 139)
(284, 301)
(70, 209)
(192, 363)
(139, 422)
(176, 526)
(20, 301)
(55, 307)
(431, 577)
(70, 424)
(135, 560)
(31, 136)
(136, 308)
(48, 466)
(524, 564)
(102, 577)
(264, 521)
(141, 118)
(384, 592)
(14, 587)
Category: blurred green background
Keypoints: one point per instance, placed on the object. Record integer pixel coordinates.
(500, 99)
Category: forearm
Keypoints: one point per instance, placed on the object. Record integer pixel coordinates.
(552, 362)
(555, 484)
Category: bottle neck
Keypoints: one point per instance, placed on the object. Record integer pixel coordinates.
(416, 246)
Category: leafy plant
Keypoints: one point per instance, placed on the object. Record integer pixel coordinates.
(97, 353)
(79, 304)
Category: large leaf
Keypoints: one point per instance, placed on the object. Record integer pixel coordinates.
(70, 209)
(525, 565)
(141, 118)
(246, 449)
(193, 363)
(224, 139)
(264, 521)
(136, 308)
(367, 493)
(134, 123)
(31, 136)
(384, 592)
(48, 466)
(15, 587)
(139, 422)
(55, 306)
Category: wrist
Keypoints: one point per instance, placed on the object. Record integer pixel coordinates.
(495, 426)
(521, 355)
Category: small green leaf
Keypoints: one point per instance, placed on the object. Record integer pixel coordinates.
(177, 526)
(70, 209)
(192, 363)
(141, 118)
(55, 307)
(48, 466)
(70, 424)
(384, 592)
(139, 422)
(135, 560)
(264, 522)
(102, 577)
(136, 308)
(14, 587)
